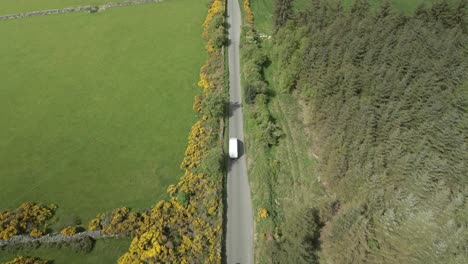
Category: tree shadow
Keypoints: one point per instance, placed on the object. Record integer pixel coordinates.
(233, 106)
(312, 237)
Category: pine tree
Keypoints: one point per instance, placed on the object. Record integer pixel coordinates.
(360, 8)
(385, 9)
(460, 15)
(283, 12)
(441, 12)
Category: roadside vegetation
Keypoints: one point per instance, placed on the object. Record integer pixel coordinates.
(371, 101)
(262, 134)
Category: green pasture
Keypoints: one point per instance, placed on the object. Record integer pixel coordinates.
(95, 109)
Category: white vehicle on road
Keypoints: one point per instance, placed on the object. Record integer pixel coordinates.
(233, 148)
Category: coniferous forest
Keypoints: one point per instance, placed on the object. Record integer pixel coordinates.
(387, 97)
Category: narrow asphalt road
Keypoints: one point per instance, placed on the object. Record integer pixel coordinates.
(239, 234)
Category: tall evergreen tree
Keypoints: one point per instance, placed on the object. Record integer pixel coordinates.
(460, 15)
(385, 9)
(441, 12)
(283, 12)
(360, 7)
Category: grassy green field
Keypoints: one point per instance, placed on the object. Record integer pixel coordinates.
(105, 251)
(95, 109)
(19, 6)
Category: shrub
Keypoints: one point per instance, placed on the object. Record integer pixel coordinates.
(249, 93)
(36, 233)
(118, 222)
(197, 104)
(84, 244)
(196, 148)
(219, 38)
(248, 12)
(182, 198)
(95, 224)
(27, 260)
(69, 231)
(262, 213)
(24, 219)
(94, 9)
(214, 104)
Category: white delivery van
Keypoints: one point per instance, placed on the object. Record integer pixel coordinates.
(233, 148)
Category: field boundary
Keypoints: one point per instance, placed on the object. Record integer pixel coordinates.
(55, 238)
(89, 8)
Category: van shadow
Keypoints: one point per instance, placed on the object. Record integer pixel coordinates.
(241, 148)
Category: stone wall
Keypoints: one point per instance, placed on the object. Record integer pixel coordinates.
(54, 238)
(88, 8)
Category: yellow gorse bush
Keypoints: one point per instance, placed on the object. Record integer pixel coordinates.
(217, 7)
(27, 260)
(118, 222)
(196, 147)
(197, 235)
(262, 213)
(36, 233)
(69, 231)
(204, 83)
(248, 12)
(95, 224)
(29, 217)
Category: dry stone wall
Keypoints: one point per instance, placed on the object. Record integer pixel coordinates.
(88, 8)
(54, 238)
